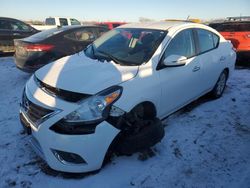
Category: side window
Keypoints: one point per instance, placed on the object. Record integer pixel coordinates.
(50, 21)
(4, 25)
(182, 44)
(227, 27)
(243, 27)
(63, 21)
(116, 25)
(207, 40)
(74, 21)
(216, 40)
(19, 26)
(104, 25)
(101, 31)
(86, 34)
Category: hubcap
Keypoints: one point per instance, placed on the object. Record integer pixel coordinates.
(221, 84)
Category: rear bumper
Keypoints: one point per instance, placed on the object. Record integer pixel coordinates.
(26, 68)
(27, 65)
(33, 61)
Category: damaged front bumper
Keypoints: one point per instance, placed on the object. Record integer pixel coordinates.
(75, 153)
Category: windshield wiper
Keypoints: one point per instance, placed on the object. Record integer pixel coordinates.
(114, 59)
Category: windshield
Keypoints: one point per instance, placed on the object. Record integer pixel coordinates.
(126, 46)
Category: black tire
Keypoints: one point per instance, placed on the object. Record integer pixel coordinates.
(144, 139)
(220, 85)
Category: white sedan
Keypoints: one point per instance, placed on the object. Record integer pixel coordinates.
(112, 96)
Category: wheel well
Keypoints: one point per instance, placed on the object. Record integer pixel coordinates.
(227, 71)
(149, 109)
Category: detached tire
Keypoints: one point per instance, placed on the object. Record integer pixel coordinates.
(146, 138)
(219, 86)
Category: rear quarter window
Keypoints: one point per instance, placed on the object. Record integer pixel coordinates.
(74, 22)
(207, 40)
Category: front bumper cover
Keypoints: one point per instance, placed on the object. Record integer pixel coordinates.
(91, 147)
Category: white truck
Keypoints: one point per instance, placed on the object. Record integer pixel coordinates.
(53, 22)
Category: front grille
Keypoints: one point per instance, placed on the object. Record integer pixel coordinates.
(63, 94)
(34, 112)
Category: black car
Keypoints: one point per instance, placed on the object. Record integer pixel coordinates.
(11, 29)
(42, 48)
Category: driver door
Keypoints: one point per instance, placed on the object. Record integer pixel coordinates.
(180, 85)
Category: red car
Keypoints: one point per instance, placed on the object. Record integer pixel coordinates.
(110, 25)
(236, 29)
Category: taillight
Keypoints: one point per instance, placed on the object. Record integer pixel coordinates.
(39, 47)
(248, 35)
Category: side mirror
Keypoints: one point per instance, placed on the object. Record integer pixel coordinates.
(174, 61)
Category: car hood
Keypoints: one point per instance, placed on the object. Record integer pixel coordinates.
(81, 74)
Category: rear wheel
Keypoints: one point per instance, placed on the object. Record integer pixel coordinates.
(220, 85)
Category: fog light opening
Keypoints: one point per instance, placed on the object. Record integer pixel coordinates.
(68, 158)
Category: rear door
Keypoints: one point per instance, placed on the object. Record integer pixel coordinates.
(210, 56)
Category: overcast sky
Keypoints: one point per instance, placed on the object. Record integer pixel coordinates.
(126, 10)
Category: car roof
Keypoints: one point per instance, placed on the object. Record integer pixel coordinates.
(68, 27)
(164, 25)
(111, 22)
(7, 18)
(230, 21)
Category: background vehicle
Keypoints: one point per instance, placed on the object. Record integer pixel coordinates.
(110, 25)
(11, 29)
(237, 30)
(46, 46)
(53, 22)
(113, 96)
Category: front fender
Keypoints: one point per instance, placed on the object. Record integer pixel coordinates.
(144, 87)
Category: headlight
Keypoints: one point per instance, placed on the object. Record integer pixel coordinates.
(96, 107)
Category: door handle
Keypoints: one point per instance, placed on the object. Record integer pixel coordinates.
(196, 68)
(222, 58)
